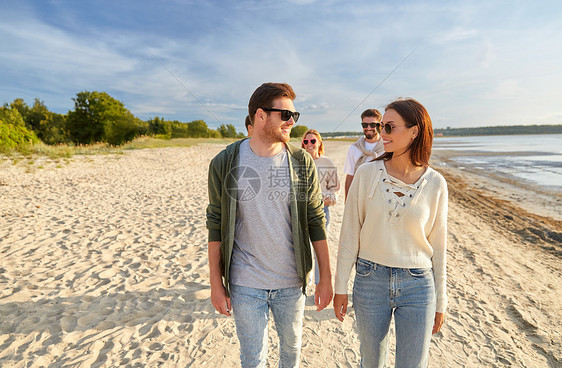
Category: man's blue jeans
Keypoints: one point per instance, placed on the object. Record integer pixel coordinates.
(251, 308)
(409, 294)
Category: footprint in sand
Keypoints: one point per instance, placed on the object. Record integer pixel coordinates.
(202, 294)
(88, 320)
(88, 298)
(107, 274)
(68, 323)
(28, 324)
(155, 347)
(105, 325)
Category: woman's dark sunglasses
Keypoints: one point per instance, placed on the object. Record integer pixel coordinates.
(377, 126)
(312, 141)
(285, 114)
(387, 128)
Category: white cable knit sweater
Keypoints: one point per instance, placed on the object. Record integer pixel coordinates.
(403, 232)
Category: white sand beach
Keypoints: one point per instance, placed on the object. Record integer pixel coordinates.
(103, 263)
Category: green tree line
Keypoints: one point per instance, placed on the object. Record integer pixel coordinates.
(96, 117)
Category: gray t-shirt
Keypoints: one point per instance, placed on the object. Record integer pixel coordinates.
(263, 256)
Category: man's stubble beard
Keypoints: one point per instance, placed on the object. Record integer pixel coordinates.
(273, 136)
(370, 135)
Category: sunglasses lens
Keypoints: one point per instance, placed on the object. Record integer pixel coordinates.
(371, 125)
(286, 115)
(305, 141)
(387, 128)
(313, 141)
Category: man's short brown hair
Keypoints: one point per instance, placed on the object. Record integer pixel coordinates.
(265, 94)
(372, 113)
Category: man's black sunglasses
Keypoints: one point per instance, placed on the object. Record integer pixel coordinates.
(377, 126)
(285, 114)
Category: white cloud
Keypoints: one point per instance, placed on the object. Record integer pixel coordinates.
(303, 2)
(456, 35)
(39, 48)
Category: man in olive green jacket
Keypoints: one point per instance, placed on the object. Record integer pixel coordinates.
(265, 206)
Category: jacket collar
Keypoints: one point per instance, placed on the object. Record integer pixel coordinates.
(297, 152)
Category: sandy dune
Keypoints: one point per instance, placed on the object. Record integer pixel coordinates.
(103, 263)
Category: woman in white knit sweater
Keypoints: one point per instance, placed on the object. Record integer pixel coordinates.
(394, 231)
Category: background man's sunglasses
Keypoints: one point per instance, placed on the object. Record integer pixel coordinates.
(285, 114)
(312, 141)
(372, 125)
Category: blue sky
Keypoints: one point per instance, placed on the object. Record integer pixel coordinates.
(471, 63)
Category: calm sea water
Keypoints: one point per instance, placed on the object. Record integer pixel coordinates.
(536, 158)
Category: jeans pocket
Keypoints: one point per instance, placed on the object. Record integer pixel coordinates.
(363, 267)
(419, 272)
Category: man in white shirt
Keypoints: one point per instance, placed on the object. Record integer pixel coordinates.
(366, 148)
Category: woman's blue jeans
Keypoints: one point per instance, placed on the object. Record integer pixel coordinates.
(409, 294)
(251, 308)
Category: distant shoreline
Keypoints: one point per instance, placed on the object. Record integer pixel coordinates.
(480, 131)
(355, 137)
